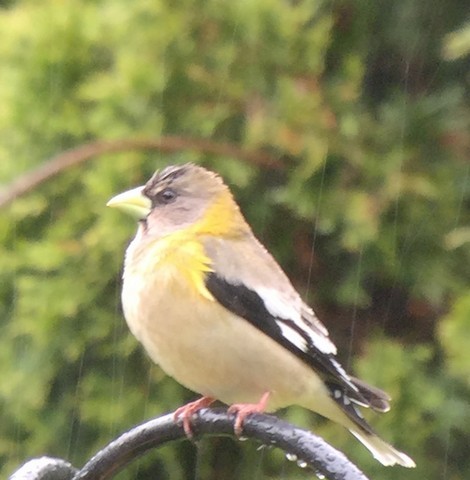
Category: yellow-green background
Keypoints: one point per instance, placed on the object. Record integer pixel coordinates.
(362, 104)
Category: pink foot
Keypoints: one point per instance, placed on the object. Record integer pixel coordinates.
(244, 409)
(185, 413)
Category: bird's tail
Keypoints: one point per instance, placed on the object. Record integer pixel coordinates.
(381, 450)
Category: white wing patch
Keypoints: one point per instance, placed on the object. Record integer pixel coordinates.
(276, 305)
(302, 332)
(294, 337)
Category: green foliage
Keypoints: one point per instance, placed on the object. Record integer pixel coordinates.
(363, 105)
(455, 337)
(431, 433)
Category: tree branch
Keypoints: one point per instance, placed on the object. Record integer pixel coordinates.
(76, 156)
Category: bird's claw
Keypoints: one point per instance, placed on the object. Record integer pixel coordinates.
(242, 410)
(185, 413)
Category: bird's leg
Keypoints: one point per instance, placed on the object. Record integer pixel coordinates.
(242, 410)
(187, 411)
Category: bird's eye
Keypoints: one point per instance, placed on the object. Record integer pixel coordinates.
(166, 196)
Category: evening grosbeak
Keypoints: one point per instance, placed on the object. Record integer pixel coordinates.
(213, 308)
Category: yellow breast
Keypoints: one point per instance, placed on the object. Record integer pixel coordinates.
(181, 255)
(196, 340)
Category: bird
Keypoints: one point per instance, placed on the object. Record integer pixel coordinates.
(213, 308)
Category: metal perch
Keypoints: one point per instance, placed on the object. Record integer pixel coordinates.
(307, 448)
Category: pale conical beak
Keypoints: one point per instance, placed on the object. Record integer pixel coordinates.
(132, 202)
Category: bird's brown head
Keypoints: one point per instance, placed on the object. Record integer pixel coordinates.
(183, 197)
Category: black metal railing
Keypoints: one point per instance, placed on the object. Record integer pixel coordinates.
(306, 448)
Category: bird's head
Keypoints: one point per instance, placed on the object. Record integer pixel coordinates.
(182, 197)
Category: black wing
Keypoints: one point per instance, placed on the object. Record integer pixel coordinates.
(344, 390)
